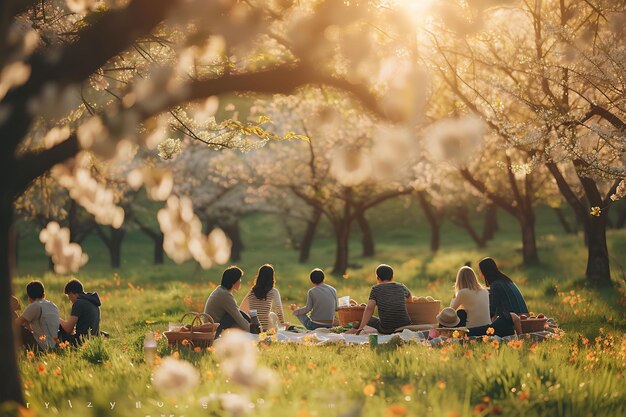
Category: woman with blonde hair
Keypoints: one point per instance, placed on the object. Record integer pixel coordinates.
(471, 300)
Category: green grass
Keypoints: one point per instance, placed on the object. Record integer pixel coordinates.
(564, 377)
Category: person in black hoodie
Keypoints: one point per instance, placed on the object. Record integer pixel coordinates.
(84, 319)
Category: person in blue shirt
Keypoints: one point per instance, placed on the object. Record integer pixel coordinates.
(504, 296)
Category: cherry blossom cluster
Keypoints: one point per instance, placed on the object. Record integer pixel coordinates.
(67, 257)
(183, 237)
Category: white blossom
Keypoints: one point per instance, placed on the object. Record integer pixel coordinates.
(351, 165)
(67, 257)
(175, 377)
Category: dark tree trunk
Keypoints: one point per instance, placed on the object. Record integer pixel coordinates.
(10, 388)
(490, 226)
(367, 237)
(461, 218)
(433, 221)
(159, 257)
(157, 238)
(621, 215)
(309, 235)
(529, 242)
(561, 216)
(113, 242)
(342, 236)
(115, 250)
(598, 270)
(234, 234)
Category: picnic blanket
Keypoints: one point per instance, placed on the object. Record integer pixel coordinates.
(321, 337)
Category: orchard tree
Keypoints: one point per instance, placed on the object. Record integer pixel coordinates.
(346, 164)
(178, 52)
(551, 86)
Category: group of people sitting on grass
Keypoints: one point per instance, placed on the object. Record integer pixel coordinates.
(40, 327)
(493, 308)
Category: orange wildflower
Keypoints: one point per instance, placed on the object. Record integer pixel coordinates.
(311, 365)
(370, 389)
(523, 395)
(197, 349)
(495, 344)
(41, 368)
(57, 372)
(30, 354)
(407, 389)
(396, 410)
(441, 385)
(490, 331)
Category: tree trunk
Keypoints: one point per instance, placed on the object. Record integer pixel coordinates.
(490, 226)
(529, 242)
(342, 236)
(367, 238)
(158, 249)
(621, 215)
(433, 221)
(10, 389)
(234, 234)
(113, 242)
(561, 216)
(115, 249)
(598, 270)
(462, 220)
(309, 235)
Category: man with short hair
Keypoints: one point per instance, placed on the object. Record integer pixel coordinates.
(321, 301)
(221, 304)
(39, 322)
(390, 297)
(84, 318)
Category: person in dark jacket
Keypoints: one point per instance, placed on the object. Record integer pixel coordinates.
(84, 319)
(504, 296)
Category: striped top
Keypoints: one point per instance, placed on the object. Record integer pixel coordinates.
(390, 299)
(272, 302)
(505, 297)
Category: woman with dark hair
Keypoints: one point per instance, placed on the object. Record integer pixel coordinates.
(504, 296)
(264, 298)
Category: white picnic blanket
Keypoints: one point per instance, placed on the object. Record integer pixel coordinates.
(323, 336)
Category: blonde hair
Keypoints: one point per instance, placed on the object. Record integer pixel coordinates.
(466, 278)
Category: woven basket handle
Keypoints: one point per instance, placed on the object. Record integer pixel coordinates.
(197, 317)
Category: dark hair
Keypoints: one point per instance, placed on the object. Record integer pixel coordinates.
(317, 276)
(74, 287)
(35, 289)
(231, 275)
(263, 282)
(491, 272)
(384, 272)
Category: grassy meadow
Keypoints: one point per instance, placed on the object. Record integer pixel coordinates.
(580, 374)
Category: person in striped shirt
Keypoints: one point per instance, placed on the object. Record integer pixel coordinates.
(264, 297)
(390, 297)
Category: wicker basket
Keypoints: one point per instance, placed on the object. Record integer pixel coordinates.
(533, 325)
(423, 313)
(200, 335)
(350, 314)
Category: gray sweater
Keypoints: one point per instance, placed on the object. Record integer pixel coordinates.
(321, 301)
(221, 302)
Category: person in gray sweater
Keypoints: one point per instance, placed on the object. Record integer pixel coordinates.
(222, 306)
(321, 302)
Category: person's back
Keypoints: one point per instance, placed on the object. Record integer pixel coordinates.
(476, 305)
(87, 309)
(216, 304)
(43, 316)
(505, 297)
(263, 306)
(390, 299)
(324, 303)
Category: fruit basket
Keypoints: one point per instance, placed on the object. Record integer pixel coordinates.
(350, 313)
(423, 310)
(533, 324)
(198, 335)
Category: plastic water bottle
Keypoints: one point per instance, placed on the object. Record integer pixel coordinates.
(274, 323)
(149, 348)
(255, 324)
